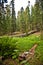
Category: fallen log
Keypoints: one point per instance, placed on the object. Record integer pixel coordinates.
(25, 56)
(26, 34)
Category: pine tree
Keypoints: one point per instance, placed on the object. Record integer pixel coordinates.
(8, 20)
(13, 17)
(22, 22)
(27, 19)
(32, 18)
(36, 16)
(18, 21)
(41, 5)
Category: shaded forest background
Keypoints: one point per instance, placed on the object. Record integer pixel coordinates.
(25, 21)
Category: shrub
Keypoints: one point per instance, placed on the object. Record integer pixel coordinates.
(7, 46)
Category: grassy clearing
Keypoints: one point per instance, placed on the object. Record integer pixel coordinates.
(24, 44)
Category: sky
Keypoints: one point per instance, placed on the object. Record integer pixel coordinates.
(22, 3)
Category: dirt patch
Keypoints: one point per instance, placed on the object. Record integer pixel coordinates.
(38, 33)
(10, 62)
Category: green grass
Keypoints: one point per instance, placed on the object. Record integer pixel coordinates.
(25, 43)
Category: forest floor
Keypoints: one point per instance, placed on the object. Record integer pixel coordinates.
(24, 44)
(30, 56)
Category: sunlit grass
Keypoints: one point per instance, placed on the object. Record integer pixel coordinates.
(26, 43)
